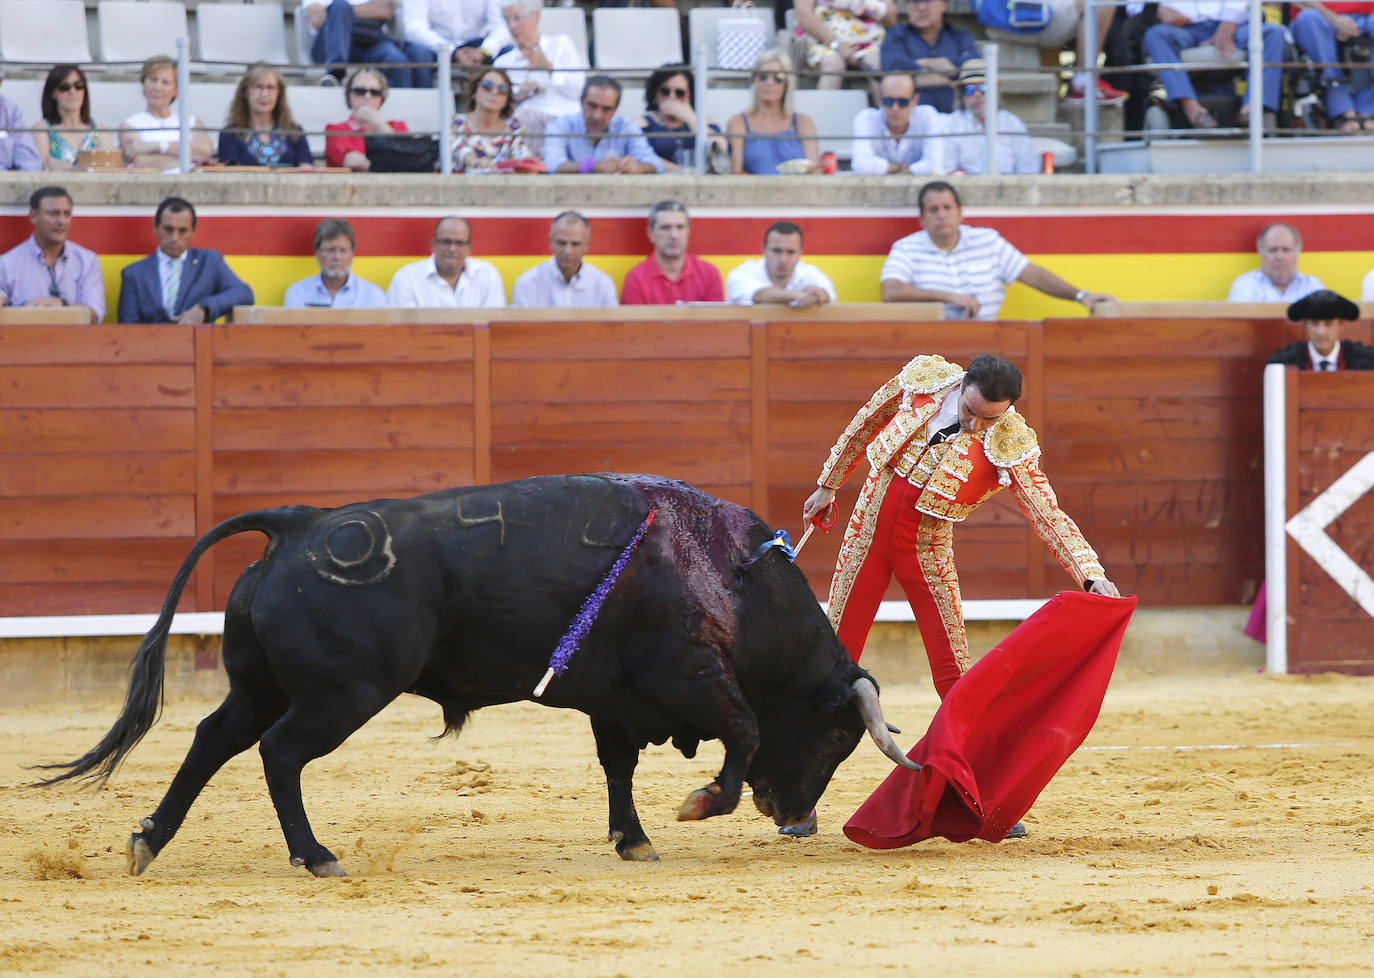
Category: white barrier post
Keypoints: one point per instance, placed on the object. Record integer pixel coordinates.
(1090, 106)
(444, 79)
(992, 103)
(699, 82)
(1254, 87)
(1275, 509)
(184, 104)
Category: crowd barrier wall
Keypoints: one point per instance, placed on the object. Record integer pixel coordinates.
(119, 445)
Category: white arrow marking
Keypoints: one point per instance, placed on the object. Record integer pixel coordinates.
(1309, 528)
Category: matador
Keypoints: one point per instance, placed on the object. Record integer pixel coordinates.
(940, 441)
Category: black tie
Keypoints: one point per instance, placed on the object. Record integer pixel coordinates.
(945, 434)
(1328, 365)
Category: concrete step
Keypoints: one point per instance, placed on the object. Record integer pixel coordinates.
(1111, 119)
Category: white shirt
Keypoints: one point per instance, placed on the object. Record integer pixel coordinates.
(153, 129)
(457, 22)
(1255, 286)
(419, 286)
(1317, 359)
(544, 285)
(966, 145)
(1367, 288)
(1230, 11)
(748, 278)
(560, 91)
(355, 293)
(920, 149)
(981, 264)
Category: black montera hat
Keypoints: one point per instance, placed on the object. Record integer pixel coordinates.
(1323, 305)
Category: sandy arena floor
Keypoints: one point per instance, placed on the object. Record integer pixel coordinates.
(1211, 826)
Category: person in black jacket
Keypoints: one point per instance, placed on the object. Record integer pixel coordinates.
(1321, 314)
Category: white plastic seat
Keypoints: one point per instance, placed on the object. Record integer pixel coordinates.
(701, 27)
(135, 30)
(242, 33)
(44, 32)
(636, 37)
(568, 21)
(833, 111)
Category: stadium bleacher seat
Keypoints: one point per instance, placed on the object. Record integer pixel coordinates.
(636, 37)
(44, 32)
(701, 26)
(569, 21)
(833, 111)
(242, 33)
(135, 30)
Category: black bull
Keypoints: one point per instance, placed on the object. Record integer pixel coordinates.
(460, 596)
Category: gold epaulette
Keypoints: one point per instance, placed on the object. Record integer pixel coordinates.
(1010, 441)
(928, 374)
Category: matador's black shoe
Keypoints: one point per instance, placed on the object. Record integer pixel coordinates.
(1017, 831)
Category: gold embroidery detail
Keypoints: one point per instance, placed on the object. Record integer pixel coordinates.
(1010, 441)
(858, 538)
(929, 374)
(935, 553)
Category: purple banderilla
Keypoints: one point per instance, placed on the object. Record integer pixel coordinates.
(586, 616)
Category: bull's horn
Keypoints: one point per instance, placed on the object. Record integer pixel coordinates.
(866, 699)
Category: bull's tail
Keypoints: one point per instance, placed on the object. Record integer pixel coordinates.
(143, 702)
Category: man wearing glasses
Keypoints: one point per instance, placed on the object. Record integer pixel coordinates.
(967, 142)
(336, 286)
(47, 270)
(929, 48)
(900, 137)
(450, 277)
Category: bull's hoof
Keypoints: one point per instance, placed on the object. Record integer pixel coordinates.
(699, 804)
(140, 854)
(800, 830)
(642, 852)
(322, 870)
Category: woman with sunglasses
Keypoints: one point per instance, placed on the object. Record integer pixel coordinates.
(966, 136)
(67, 128)
(842, 35)
(345, 142)
(259, 129)
(670, 121)
(488, 133)
(770, 132)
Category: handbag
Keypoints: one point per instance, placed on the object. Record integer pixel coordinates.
(1017, 16)
(740, 40)
(402, 153)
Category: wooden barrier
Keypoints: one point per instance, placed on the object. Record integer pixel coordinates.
(1321, 596)
(1210, 309)
(119, 445)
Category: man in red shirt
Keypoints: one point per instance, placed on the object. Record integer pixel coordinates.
(670, 275)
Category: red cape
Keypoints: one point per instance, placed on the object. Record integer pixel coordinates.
(1004, 730)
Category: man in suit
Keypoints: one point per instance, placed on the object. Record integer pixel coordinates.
(178, 283)
(1321, 314)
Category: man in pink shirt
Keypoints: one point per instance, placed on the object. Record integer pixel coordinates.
(670, 275)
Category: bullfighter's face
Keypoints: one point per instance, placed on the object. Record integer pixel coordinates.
(976, 412)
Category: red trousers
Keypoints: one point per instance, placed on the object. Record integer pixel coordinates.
(887, 538)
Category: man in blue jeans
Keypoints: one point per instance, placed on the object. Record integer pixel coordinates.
(1318, 29)
(1223, 24)
(354, 32)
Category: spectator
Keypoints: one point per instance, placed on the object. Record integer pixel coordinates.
(842, 35)
(1318, 30)
(355, 32)
(152, 138)
(488, 133)
(670, 274)
(929, 48)
(67, 129)
(1223, 24)
(966, 268)
(901, 137)
(1277, 279)
(1321, 314)
(770, 132)
(336, 286)
(473, 27)
(967, 142)
(17, 150)
(565, 280)
(670, 121)
(259, 129)
(596, 140)
(546, 70)
(450, 277)
(780, 275)
(346, 142)
(1107, 94)
(178, 283)
(47, 270)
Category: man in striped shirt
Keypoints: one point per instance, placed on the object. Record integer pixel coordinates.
(966, 268)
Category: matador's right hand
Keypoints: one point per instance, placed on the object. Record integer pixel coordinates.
(818, 502)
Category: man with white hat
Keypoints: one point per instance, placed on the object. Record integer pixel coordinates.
(967, 142)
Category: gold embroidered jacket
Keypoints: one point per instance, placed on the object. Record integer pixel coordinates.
(959, 475)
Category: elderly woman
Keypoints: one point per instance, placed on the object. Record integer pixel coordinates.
(770, 132)
(488, 133)
(259, 130)
(670, 120)
(843, 35)
(546, 69)
(152, 138)
(364, 91)
(67, 128)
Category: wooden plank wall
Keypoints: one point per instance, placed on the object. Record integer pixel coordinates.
(119, 445)
(1329, 631)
